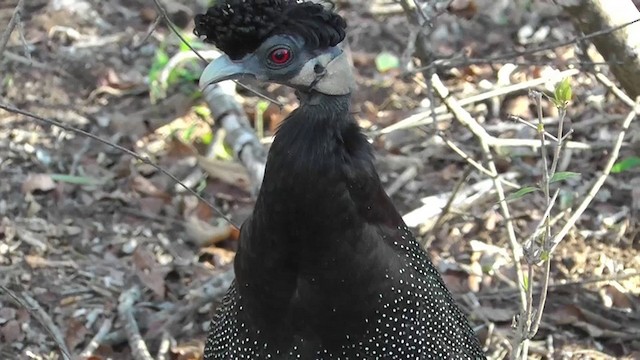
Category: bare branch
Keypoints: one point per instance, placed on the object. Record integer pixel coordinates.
(460, 61)
(615, 151)
(32, 306)
(468, 121)
(126, 300)
(615, 32)
(15, 18)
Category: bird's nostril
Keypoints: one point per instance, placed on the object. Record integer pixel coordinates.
(318, 69)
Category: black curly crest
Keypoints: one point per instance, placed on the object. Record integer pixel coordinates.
(238, 27)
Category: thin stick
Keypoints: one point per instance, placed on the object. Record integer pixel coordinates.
(126, 300)
(447, 207)
(448, 63)
(474, 163)
(424, 117)
(97, 339)
(615, 151)
(15, 18)
(32, 306)
(466, 120)
(165, 346)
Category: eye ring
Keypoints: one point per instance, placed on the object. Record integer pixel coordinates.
(280, 56)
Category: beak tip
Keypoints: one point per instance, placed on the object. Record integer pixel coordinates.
(203, 83)
(220, 69)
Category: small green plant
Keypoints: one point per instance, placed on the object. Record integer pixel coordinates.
(180, 71)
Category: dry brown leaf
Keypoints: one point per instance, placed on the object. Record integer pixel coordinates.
(572, 315)
(143, 259)
(188, 351)
(595, 325)
(465, 9)
(456, 281)
(566, 315)
(7, 314)
(151, 205)
(38, 182)
(616, 296)
(154, 280)
(229, 172)
(75, 334)
(202, 233)
(11, 332)
(144, 186)
(216, 256)
(176, 148)
(149, 271)
(475, 275)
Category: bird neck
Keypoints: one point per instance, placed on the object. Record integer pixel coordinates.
(319, 170)
(319, 195)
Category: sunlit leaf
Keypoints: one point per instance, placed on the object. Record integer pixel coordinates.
(522, 192)
(207, 138)
(563, 175)
(563, 92)
(544, 255)
(625, 164)
(188, 133)
(386, 61)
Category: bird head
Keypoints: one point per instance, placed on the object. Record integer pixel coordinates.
(290, 42)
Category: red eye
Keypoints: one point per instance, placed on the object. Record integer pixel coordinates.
(280, 56)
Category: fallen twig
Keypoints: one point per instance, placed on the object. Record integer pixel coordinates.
(469, 122)
(165, 346)
(425, 116)
(126, 300)
(34, 308)
(15, 18)
(97, 339)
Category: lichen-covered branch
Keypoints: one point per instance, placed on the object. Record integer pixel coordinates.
(620, 48)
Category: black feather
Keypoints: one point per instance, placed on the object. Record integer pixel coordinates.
(238, 27)
(326, 268)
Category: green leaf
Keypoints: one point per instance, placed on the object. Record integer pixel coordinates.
(202, 111)
(522, 192)
(386, 61)
(76, 180)
(190, 39)
(566, 199)
(207, 138)
(188, 133)
(544, 256)
(563, 93)
(625, 164)
(222, 151)
(160, 60)
(525, 282)
(563, 175)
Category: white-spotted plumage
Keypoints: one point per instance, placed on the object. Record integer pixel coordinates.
(326, 268)
(418, 319)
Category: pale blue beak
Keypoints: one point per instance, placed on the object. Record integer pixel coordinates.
(223, 68)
